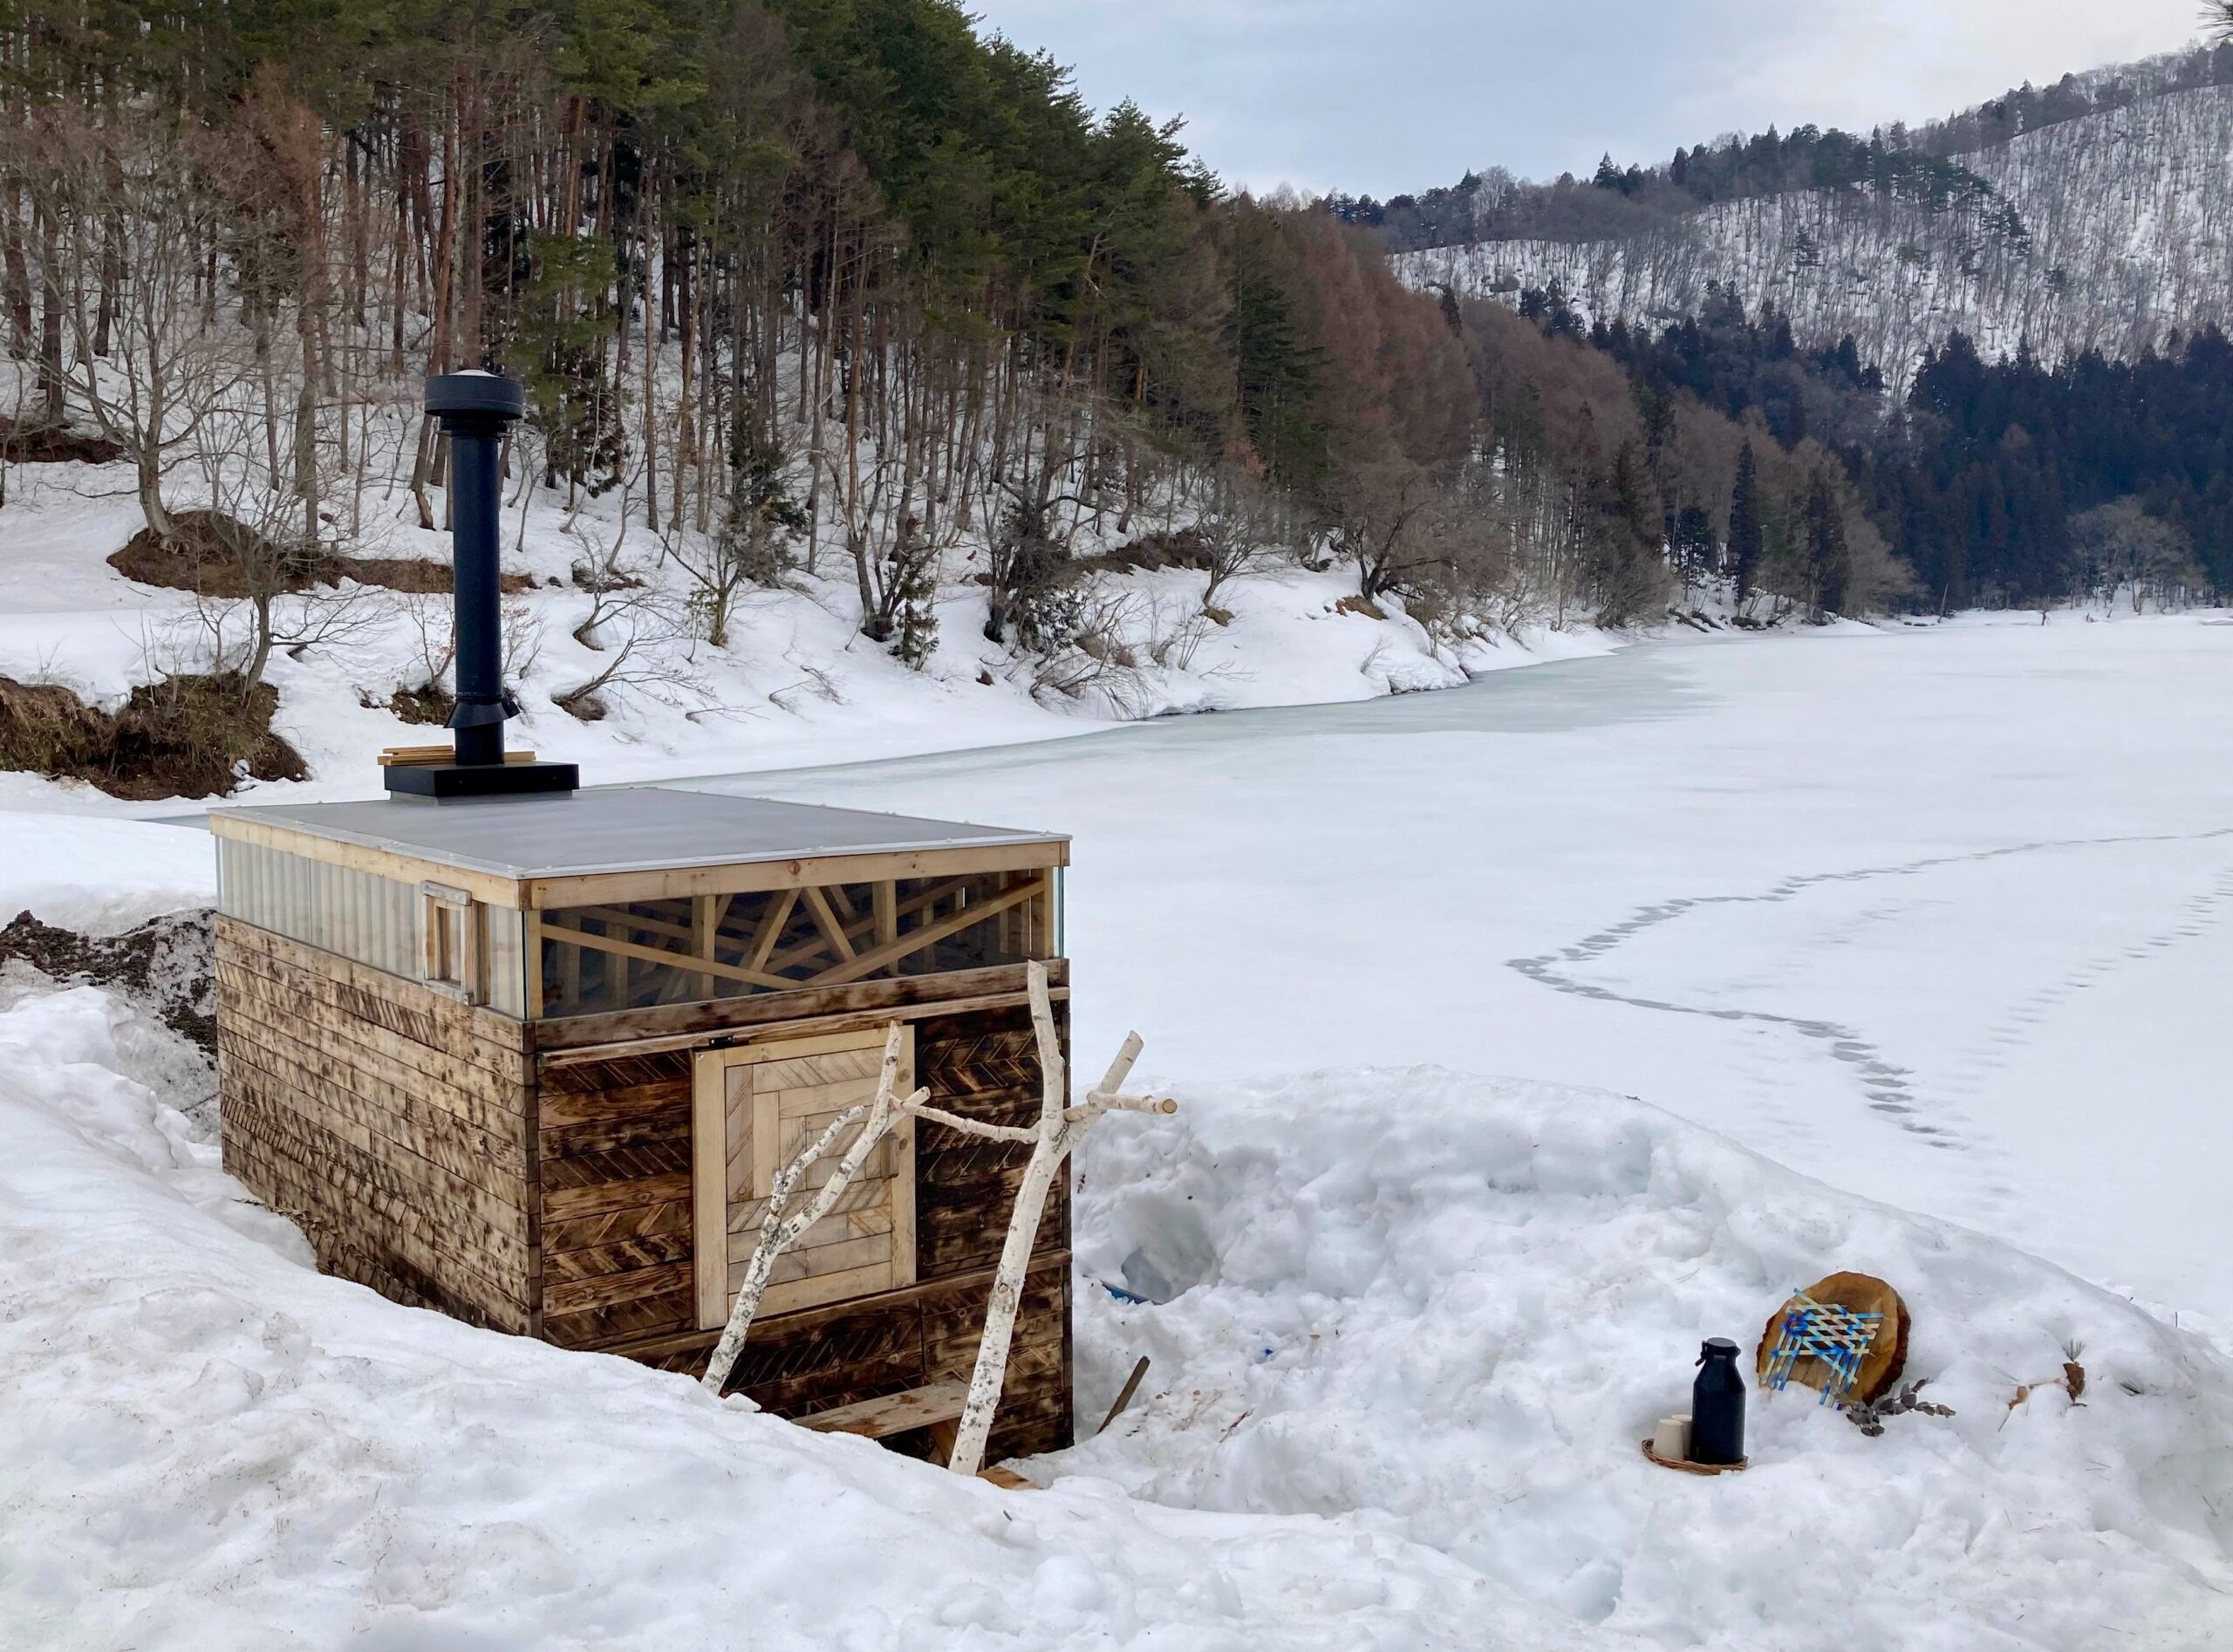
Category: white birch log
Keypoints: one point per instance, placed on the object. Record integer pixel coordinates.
(1058, 1131)
(778, 1232)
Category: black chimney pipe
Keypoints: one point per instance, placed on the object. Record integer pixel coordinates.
(476, 409)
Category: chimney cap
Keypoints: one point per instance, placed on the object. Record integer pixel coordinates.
(475, 394)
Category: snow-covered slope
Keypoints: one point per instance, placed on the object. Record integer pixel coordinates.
(2130, 220)
(796, 685)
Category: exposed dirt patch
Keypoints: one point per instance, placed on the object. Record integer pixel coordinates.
(27, 442)
(165, 964)
(185, 736)
(209, 553)
(428, 706)
(1149, 551)
(413, 575)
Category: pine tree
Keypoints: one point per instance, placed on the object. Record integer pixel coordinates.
(1828, 566)
(1746, 540)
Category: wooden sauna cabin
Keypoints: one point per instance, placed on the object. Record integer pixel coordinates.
(533, 1059)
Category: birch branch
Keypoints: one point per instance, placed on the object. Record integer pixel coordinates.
(1059, 1129)
(968, 1126)
(778, 1233)
(1096, 1103)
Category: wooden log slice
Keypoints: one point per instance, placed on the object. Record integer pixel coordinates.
(1887, 1353)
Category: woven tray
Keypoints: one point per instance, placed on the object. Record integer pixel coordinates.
(1738, 1467)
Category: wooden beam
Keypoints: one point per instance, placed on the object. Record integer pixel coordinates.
(817, 902)
(952, 990)
(915, 939)
(833, 1023)
(623, 888)
(860, 928)
(706, 914)
(568, 936)
(491, 887)
(772, 922)
(709, 1187)
(918, 1408)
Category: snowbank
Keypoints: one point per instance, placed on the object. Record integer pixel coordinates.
(1417, 1322)
(100, 876)
(1462, 1301)
(210, 1446)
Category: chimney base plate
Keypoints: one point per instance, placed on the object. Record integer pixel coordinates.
(445, 781)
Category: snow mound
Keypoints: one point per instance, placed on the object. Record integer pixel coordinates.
(101, 876)
(1461, 1303)
(210, 1446)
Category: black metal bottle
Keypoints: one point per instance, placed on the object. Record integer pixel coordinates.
(1718, 1405)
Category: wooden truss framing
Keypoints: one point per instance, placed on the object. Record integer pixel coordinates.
(694, 947)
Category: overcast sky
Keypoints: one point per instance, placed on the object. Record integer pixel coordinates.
(1381, 98)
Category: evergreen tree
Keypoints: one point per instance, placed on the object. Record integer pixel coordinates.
(1829, 566)
(1747, 541)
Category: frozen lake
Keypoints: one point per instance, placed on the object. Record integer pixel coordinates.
(1938, 915)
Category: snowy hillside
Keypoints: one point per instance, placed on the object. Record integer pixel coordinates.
(795, 683)
(2130, 220)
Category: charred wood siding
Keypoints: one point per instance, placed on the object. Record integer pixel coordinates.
(393, 1124)
(414, 1141)
(827, 1357)
(983, 1066)
(615, 1147)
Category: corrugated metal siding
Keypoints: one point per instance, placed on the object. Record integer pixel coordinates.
(359, 916)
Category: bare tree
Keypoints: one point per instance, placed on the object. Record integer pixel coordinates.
(638, 629)
(138, 192)
(749, 550)
(1388, 524)
(259, 577)
(1237, 534)
(1060, 1127)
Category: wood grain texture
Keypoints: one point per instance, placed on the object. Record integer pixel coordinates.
(396, 1126)
(981, 1065)
(914, 1408)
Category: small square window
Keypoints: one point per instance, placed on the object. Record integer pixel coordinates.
(451, 923)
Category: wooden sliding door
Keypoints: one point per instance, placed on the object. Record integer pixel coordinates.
(752, 1108)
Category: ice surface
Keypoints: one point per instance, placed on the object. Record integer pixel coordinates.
(1937, 915)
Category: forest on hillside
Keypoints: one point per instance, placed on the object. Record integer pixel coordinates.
(841, 290)
(1921, 164)
(830, 288)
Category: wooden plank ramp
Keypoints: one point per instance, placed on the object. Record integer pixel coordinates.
(936, 1406)
(917, 1408)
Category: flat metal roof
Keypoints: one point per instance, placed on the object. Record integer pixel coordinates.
(621, 829)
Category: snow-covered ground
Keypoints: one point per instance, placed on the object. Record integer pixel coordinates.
(1930, 915)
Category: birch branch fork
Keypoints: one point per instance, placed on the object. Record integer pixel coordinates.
(778, 1232)
(1059, 1130)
